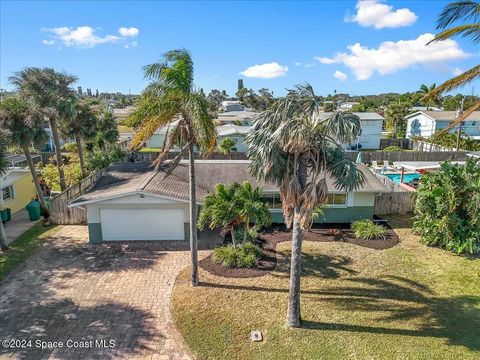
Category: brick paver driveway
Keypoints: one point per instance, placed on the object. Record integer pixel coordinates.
(81, 295)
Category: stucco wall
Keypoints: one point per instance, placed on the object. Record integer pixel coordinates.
(24, 192)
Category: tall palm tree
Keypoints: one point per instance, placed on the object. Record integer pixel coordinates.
(294, 146)
(460, 11)
(49, 89)
(395, 118)
(24, 123)
(433, 100)
(79, 121)
(3, 168)
(171, 100)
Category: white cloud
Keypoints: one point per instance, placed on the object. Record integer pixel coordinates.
(82, 36)
(325, 60)
(309, 65)
(374, 13)
(131, 31)
(457, 71)
(391, 57)
(48, 42)
(340, 75)
(131, 45)
(265, 71)
(298, 63)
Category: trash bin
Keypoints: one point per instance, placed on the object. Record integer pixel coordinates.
(33, 208)
(5, 215)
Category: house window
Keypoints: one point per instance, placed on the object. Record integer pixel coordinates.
(339, 199)
(273, 201)
(7, 192)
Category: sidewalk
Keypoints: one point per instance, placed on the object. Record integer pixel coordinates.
(18, 225)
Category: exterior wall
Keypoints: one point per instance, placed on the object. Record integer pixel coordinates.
(156, 141)
(23, 192)
(371, 134)
(359, 206)
(420, 125)
(469, 128)
(129, 202)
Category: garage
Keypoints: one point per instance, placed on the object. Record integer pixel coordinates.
(142, 224)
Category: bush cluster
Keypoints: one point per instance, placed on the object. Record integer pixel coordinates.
(367, 230)
(241, 256)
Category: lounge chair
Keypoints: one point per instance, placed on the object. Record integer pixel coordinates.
(386, 164)
(374, 164)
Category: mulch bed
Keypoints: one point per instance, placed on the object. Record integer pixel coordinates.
(277, 234)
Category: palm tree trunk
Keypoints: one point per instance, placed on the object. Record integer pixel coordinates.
(234, 240)
(58, 153)
(193, 217)
(293, 310)
(41, 198)
(78, 140)
(3, 237)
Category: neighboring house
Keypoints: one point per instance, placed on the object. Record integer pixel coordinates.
(158, 138)
(17, 189)
(243, 117)
(230, 105)
(50, 144)
(347, 105)
(18, 160)
(235, 132)
(122, 114)
(425, 108)
(426, 123)
(474, 154)
(134, 202)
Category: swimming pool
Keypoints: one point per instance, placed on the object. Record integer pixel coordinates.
(406, 177)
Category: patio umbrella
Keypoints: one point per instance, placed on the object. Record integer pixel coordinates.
(359, 158)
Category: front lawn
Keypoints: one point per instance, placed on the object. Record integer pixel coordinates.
(23, 247)
(406, 302)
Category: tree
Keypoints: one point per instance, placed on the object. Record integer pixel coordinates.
(453, 13)
(447, 207)
(432, 100)
(50, 90)
(226, 146)
(106, 132)
(215, 99)
(80, 123)
(293, 146)
(395, 118)
(3, 168)
(170, 99)
(24, 123)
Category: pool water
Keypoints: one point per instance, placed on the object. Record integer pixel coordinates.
(406, 177)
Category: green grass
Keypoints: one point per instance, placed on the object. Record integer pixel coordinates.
(407, 302)
(23, 247)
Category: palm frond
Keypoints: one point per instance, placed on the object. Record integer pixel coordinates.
(456, 82)
(466, 31)
(458, 10)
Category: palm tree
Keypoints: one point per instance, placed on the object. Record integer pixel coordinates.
(171, 100)
(395, 118)
(293, 145)
(252, 207)
(79, 121)
(3, 168)
(226, 146)
(424, 90)
(459, 11)
(49, 89)
(24, 123)
(222, 209)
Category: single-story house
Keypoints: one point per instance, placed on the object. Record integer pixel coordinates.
(17, 188)
(234, 132)
(347, 105)
(243, 117)
(232, 105)
(426, 123)
(132, 201)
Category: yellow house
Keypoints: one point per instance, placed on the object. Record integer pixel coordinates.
(17, 188)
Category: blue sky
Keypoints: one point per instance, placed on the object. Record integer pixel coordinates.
(291, 42)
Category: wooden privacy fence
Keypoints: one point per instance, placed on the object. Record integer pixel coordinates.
(60, 213)
(394, 203)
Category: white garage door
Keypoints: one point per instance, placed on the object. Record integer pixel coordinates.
(142, 224)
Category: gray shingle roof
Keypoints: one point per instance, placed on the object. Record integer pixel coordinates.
(127, 178)
(447, 115)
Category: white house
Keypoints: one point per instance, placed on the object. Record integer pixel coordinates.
(243, 117)
(347, 105)
(234, 132)
(232, 105)
(426, 123)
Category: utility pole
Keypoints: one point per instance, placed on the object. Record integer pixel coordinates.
(459, 130)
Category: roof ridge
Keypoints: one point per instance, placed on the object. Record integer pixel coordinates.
(147, 180)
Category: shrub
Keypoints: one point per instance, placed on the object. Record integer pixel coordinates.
(241, 256)
(447, 208)
(392, 148)
(367, 230)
